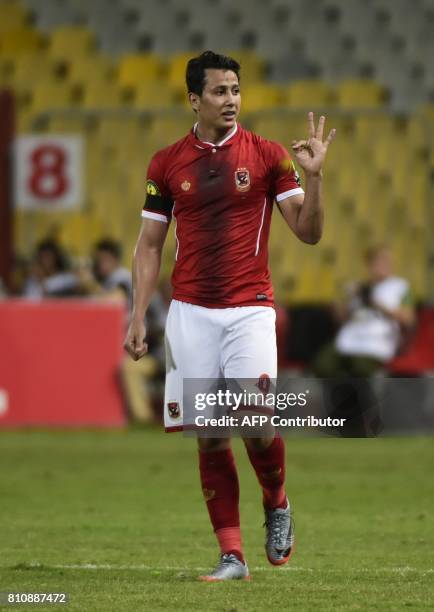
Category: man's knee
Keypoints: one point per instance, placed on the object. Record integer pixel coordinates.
(209, 445)
(257, 444)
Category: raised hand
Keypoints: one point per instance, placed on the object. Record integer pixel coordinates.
(310, 154)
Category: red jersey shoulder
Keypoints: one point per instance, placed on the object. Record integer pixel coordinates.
(273, 153)
(161, 162)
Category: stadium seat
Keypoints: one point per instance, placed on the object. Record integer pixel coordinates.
(135, 69)
(261, 96)
(91, 69)
(51, 14)
(253, 67)
(28, 69)
(150, 96)
(20, 41)
(308, 94)
(70, 42)
(165, 130)
(101, 95)
(13, 16)
(50, 95)
(176, 69)
(361, 93)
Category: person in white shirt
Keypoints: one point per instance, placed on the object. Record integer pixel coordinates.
(375, 318)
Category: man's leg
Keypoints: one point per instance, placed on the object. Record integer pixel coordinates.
(250, 359)
(267, 457)
(220, 487)
(219, 480)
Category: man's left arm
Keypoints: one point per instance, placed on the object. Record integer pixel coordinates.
(404, 314)
(304, 213)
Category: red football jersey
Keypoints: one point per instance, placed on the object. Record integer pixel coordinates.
(221, 197)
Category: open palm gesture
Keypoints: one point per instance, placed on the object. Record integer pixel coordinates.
(310, 154)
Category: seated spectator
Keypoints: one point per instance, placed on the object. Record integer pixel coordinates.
(50, 274)
(107, 278)
(375, 318)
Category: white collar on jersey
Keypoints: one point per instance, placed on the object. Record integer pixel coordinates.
(222, 142)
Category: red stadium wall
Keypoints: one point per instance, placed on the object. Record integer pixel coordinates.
(59, 363)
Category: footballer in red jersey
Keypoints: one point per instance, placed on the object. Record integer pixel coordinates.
(218, 186)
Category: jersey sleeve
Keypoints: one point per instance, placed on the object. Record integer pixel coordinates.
(159, 203)
(285, 178)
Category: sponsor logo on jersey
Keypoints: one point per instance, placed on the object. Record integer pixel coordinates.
(174, 411)
(152, 188)
(185, 186)
(242, 179)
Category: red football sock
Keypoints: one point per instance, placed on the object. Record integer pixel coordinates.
(219, 479)
(269, 465)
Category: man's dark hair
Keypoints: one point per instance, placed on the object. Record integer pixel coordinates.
(195, 75)
(49, 245)
(110, 246)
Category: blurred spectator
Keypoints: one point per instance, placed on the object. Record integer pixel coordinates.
(50, 275)
(106, 277)
(376, 317)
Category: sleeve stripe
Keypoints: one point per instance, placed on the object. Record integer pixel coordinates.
(155, 216)
(288, 194)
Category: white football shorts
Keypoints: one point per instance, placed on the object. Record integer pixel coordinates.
(215, 343)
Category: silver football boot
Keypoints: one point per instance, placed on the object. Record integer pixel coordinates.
(229, 568)
(279, 539)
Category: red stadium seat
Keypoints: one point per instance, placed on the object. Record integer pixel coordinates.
(419, 357)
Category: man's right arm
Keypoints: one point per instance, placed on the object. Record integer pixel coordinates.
(146, 268)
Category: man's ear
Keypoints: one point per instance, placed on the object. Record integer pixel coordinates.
(194, 101)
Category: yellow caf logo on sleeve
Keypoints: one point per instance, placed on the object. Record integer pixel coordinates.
(152, 188)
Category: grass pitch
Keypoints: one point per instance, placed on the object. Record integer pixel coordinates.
(116, 519)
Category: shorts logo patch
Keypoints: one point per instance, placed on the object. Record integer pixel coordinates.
(208, 494)
(152, 188)
(242, 179)
(174, 411)
(185, 186)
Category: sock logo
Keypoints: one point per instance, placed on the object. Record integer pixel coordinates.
(272, 476)
(208, 494)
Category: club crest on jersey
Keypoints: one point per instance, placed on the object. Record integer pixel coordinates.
(174, 411)
(242, 179)
(185, 186)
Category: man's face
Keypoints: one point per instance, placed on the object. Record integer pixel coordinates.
(220, 102)
(381, 265)
(104, 264)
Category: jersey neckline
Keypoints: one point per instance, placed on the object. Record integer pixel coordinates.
(203, 144)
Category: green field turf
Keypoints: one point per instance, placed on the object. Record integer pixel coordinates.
(116, 520)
